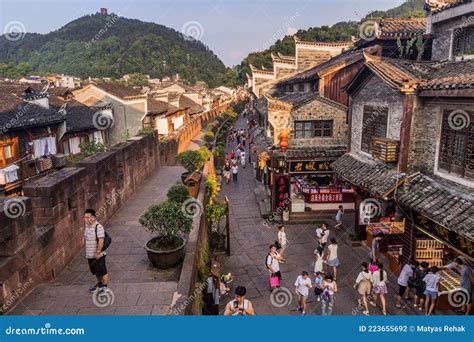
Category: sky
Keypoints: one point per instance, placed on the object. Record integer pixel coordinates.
(231, 28)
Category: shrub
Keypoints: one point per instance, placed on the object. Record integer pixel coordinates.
(190, 160)
(204, 153)
(209, 137)
(168, 221)
(212, 127)
(211, 186)
(178, 193)
(146, 130)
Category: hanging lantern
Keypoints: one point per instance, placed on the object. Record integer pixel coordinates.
(284, 140)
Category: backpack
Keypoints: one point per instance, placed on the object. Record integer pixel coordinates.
(107, 239)
(266, 258)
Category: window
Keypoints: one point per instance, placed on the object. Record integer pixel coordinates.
(374, 125)
(463, 41)
(312, 129)
(456, 150)
(66, 147)
(301, 87)
(7, 152)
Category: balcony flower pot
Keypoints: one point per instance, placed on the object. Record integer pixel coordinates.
(170, 222)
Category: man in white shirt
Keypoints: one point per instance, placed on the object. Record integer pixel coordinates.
(319, 235)
(235, 171)
(405, 274)
(273, 261)
(325, 236)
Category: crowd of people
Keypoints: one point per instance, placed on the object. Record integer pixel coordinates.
(237, 156)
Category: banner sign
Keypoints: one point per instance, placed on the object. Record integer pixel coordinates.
(310, 166)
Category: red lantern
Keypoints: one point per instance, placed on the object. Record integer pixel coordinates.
(284, 140)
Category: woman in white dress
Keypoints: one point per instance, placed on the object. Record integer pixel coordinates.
(318, 259)
(332, 259)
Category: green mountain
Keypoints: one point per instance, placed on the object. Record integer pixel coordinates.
(111, 46)
(342, 31)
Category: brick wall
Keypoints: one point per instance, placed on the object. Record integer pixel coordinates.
(376, 93)
(45, 231)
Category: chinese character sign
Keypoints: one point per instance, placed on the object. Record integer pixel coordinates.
(310, 166)
(282, 191)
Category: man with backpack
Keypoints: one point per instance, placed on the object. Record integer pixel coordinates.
(96, 242)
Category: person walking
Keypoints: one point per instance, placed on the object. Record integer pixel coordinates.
(239, 306)
(325, 235)
(405, 274)
(242, 159)
(332, 259)
(318, 259)
(238, 153)
(363, 284)
(318, 285)
(282, 240)
(420, 274)
(431, 281)
(232, 154)
(302, 286)
(235, 171)
(327, 297)
(339, 215)
(227, 169)
(319, 235)
(94, 236)
(375, 250)
(380, 279)
(272, 262)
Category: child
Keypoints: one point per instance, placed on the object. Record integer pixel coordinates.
(431, 281)
(420, 274)
(318, 281)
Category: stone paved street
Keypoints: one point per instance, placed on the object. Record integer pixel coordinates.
(138, 288)
(250, 240)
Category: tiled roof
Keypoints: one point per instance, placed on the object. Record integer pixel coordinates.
(451, 75)
(442, 5)
(299, 99)
(449, 206)
(401, 27)
(186, 102)
(157, 107)
(119, 90)
(15, 113)
(316, 152)
(377, 177)
(79, 117)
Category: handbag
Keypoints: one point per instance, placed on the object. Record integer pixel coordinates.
(274, 281)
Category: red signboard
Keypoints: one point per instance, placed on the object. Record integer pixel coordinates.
(326, 198)
(282, 192)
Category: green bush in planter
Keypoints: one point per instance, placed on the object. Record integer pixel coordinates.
(205, 154)
(212, 127)
(168, 221)
(178, 193)
(190, 160)
(209, 137)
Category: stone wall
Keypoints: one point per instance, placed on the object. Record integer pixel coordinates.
(376, 93)
(43, 231)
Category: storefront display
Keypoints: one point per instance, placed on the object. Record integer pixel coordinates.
(322, 189)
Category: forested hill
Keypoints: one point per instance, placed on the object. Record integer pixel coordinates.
(342, 31)
(111, 46)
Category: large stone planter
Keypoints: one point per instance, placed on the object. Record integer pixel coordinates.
(166, 259)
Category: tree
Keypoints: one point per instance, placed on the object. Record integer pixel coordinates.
(138, 79)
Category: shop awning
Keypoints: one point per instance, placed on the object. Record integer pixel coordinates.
(451, 206)
(376, 177)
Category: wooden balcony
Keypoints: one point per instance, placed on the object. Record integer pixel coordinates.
(385, 149)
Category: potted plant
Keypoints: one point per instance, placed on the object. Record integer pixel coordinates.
(178, 193)
(170, 224)
(217, 236)
(191, 161)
